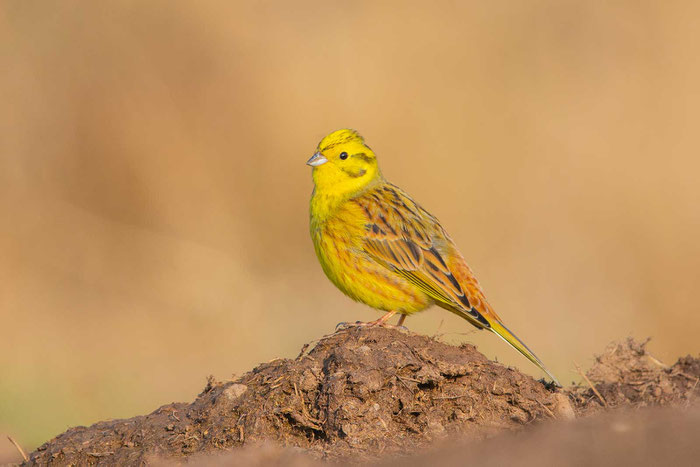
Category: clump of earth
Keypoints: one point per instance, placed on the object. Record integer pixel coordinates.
(372, 394)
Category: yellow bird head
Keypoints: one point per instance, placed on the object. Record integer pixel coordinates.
(343, 163)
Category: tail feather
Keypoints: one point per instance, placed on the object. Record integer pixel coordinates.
(504, 333)
(497, 327)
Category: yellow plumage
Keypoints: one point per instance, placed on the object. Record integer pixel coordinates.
(379, 247)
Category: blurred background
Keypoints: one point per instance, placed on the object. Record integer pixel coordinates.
(154, 196)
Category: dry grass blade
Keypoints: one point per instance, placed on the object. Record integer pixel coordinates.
(599, 395)
(549, 412)
(19, 448)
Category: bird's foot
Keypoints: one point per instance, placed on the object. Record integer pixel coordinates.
(345, 324)
(361, 324)
(381, 321)
(378, 322)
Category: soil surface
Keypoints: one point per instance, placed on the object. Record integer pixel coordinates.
(370, 394)
(644, 437)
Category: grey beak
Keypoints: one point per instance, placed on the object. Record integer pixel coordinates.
(316, 160)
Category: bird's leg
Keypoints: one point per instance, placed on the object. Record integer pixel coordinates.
(402, 318)
(381, 321)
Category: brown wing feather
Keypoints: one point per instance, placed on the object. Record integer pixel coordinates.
(405, 238)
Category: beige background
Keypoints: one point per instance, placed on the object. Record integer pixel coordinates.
(154, 197)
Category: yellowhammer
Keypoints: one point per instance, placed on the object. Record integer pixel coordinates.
(381, 248)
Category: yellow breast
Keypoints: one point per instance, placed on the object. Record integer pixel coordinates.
(338, 235)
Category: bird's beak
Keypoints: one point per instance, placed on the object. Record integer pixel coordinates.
(316, 160)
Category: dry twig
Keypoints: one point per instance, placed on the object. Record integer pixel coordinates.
(600, 396)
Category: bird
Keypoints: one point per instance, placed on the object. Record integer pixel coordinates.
(381, 248)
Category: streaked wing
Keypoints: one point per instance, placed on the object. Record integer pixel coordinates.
(408, 240)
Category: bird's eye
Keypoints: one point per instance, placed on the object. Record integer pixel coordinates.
(343, 155)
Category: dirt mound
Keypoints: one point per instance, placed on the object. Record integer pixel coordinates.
(363, 393)
(627, 375)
